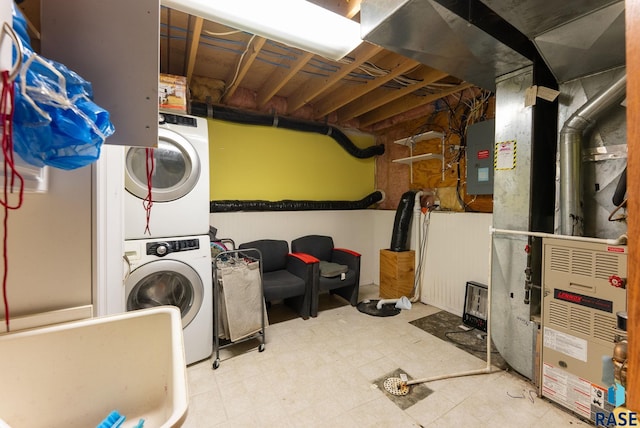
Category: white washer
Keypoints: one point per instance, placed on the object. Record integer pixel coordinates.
(175, 271)
(180, 181)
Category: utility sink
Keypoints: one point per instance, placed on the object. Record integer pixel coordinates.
(75, 374)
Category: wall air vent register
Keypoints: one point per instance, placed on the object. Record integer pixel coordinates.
(583, 288)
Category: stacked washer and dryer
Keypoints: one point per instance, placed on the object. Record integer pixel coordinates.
(170, 262)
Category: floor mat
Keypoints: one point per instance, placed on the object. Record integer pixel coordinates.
(446, 326)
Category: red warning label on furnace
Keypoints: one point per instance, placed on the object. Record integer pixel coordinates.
(581, 299)
(483, 154)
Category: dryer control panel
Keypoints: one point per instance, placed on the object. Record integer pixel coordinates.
(175, 119)
(162, 248)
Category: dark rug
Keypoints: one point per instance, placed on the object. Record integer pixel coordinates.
(446, 326)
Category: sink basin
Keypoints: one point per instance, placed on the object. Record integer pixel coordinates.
(75, 374)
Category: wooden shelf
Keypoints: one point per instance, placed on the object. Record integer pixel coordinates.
(410, 141)
(412, 159)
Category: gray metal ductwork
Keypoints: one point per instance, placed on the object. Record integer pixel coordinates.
(434, 33)
(570, 150)
(575, 37)
(479, 40)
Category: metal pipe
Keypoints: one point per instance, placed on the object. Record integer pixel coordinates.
(419, 256)
(487, 369)
(491, 232)
(527, 273)
(571, 137)
(621, 240)
(400, 303)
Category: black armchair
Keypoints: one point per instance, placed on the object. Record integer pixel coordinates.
(285, 276)
(338, 271)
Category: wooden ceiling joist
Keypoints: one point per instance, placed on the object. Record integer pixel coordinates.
(259, 75)
(255, 45)
(280, 77)
(407, 103)
(339, 98)
(372, 101)
(315, 87)
(192, 51)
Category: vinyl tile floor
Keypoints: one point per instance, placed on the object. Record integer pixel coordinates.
(323, 372)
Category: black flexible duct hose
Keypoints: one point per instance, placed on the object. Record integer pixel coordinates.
(402, 222)
(621, 189)
(238, 116)
(288, 205)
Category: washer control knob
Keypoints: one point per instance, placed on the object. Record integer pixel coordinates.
(162, 250)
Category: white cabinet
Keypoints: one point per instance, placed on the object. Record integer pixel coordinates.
(115, 45)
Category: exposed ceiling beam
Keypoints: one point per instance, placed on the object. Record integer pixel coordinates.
(348, 8)
(253, 48)
(280, 77)
(234, 61)
(407, 103)
(338, 98)
(192, 51)
(372, 101)
(288, 69)
(314, 87)
(354, 8)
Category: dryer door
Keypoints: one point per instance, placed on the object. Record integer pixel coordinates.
(176, 168)
(165, 282)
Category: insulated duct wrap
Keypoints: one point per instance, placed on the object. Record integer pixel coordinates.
(289, 205)
(237, 116)
(402, 222)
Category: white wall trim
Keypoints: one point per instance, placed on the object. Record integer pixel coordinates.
(108, 242)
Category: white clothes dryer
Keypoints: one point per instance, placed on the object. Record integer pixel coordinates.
(179, 181)
(174, 271)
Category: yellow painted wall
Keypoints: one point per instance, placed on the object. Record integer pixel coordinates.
(250, 162)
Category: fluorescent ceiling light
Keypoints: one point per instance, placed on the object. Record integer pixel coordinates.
(296, 23)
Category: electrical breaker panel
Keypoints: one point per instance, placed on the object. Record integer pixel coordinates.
(480, 151)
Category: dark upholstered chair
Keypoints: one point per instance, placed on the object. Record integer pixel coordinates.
(285, 277)
(338, 270)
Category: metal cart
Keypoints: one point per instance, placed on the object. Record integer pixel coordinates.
(237, 280)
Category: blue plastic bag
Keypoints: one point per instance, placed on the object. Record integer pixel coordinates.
(55, 121)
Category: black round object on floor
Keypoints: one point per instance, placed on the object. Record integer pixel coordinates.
(369, 307)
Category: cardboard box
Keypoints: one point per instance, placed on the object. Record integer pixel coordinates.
(172, 92)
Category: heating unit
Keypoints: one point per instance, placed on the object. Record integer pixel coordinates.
(583, 289)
